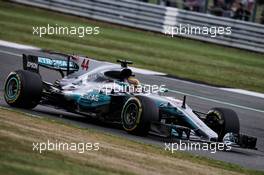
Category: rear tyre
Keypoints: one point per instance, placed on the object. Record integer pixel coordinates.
(222, 121)
(137, 115)
(23, 89)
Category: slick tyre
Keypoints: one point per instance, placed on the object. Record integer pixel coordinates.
(222, 121)
(23, 89)
(137, 115)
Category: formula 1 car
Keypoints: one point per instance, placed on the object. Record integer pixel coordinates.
(101, 90)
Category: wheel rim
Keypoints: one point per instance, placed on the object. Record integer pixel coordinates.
(12, 88)
(131, 115)
(216, 123)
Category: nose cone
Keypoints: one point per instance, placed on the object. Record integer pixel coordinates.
(198, 125)
(207, 133)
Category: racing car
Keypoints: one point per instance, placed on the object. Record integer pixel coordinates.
(103, 91)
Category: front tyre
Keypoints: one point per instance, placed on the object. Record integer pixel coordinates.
(222, 121)
(23, 89)
(131, 116)
(137, 114)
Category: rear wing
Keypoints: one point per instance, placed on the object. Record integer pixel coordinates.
(32, 63)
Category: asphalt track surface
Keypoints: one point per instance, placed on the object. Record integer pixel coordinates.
(250, 109)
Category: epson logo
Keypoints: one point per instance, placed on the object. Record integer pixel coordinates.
(32, 65)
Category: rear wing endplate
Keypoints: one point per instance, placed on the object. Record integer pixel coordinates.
(32, 63)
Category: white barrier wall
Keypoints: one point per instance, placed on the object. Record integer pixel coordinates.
(245, 35)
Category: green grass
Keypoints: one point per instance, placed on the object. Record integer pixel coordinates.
(180, 57)
(117, 155)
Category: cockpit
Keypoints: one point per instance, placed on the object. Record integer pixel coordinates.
(124, 74)
(120, 75)
(104, 73)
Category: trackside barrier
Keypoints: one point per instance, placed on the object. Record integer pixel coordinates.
(245, 35)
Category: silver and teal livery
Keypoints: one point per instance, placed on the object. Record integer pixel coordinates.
(101, 90)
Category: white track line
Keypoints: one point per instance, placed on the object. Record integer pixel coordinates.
(146, 72)
(17, 46)
(239, 91)
(242, 91)
(218, 101)
(10, 53)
